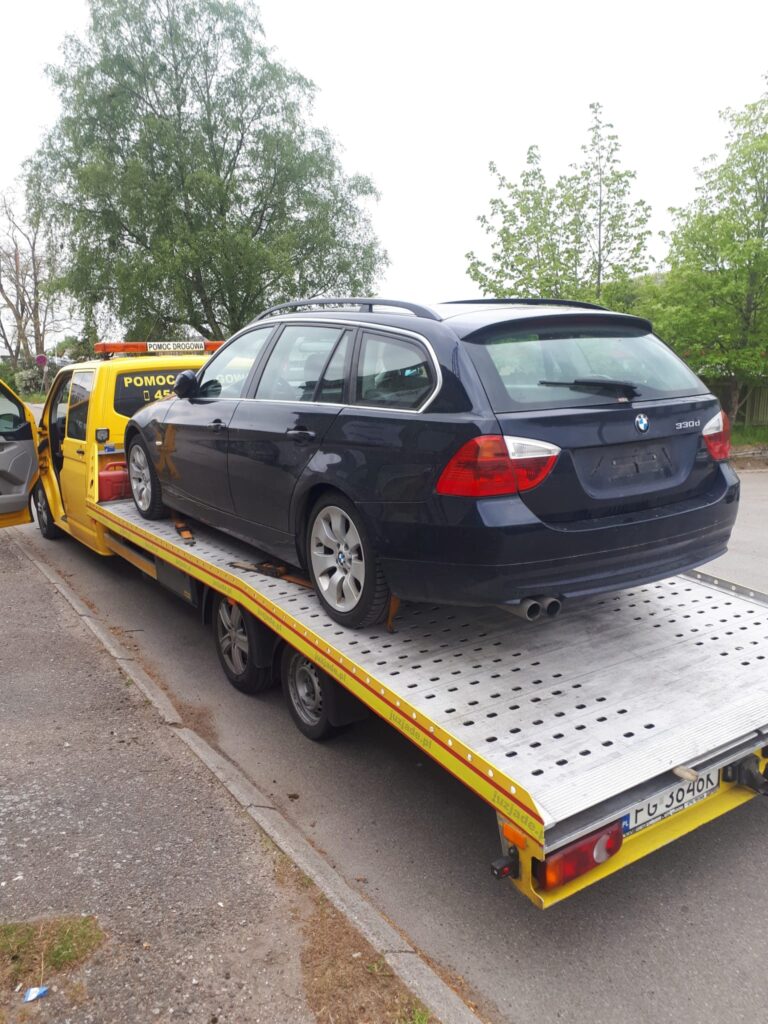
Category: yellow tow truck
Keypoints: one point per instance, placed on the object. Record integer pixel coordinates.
(621, 725)
(78, 443)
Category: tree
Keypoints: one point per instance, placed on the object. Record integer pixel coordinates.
(28, 283)
(191, 186)
(572, 239)
(714, 302)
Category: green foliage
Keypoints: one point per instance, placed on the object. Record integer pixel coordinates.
(713, 305)
(581, 238)
(28, 380)
(6, 372)
(191, 187)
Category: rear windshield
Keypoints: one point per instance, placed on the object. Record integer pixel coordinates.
(133, 390)
(525, 366)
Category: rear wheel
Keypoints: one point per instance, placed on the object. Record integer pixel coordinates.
(306, 690)
(45, 521)
(234, 633)
(343, 565)
(145, 486)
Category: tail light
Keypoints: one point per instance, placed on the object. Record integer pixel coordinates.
(493, 464)
(717, 437)
(576, 859)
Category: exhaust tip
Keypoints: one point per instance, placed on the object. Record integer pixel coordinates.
(532, 611)
(552, 607)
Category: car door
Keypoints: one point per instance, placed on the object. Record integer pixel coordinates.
(73, 475)
(18, 458)
(196, 429)
(275, 434)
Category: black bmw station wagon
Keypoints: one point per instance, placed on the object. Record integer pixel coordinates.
(514, 452)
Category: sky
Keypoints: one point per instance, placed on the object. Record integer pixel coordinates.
(421, 95)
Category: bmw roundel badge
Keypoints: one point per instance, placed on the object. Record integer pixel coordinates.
(642, 423)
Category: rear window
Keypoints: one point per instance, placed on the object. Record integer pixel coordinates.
(529, 366)
(134, 390)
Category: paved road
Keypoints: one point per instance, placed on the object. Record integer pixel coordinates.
(678, 937)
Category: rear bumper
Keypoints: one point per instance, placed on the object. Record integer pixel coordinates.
(499, 552)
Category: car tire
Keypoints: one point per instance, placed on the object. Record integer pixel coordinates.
(343, 566)
(234, 634)
(305, 687)
(145, 485)
(45, 521)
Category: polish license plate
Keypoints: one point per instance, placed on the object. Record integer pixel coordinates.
(670, 801)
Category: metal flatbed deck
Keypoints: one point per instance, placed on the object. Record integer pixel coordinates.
(558, 725)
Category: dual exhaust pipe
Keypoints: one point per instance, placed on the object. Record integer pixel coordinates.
(533, 608)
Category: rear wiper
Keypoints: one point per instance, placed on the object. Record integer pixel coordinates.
(623, 387)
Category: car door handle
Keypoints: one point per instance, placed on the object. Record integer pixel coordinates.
(301, 434)
(216, 425)
(79, 451)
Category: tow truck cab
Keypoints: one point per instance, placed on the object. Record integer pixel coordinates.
(57, 462)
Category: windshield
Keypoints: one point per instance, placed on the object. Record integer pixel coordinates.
(531, 366)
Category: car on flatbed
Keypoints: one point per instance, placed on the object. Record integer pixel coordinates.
(514, 452)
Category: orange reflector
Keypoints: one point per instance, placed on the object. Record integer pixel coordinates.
(514, 835)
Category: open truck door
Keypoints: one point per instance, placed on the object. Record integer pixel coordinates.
(18, 458)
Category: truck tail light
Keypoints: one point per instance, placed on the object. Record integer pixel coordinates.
(577, 858)
(717, 437)
(493, 464)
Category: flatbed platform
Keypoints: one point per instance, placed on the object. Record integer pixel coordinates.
(561, 725)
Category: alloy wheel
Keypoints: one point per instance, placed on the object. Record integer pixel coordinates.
(232, 637)
(141, 481)
(338, 562)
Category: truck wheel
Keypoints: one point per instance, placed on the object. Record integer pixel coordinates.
(45, 521)
(305, 687)
(234, 636)
(145, 486)
(343, 566)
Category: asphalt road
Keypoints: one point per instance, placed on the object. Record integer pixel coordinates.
(678, 937)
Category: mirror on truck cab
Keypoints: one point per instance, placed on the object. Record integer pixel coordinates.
(186, 384)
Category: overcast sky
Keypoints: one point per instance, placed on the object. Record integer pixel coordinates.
(423, 94)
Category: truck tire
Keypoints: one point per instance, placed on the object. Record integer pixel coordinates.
(234, 634)
(145, 485)
(343, 566)
(45, 520)
(305, 687)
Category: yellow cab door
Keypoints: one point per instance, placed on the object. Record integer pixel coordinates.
(18, 458)
(76, 442)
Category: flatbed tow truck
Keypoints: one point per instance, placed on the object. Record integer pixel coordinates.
(629, 720)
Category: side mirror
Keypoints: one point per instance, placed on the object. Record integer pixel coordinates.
(185, 384)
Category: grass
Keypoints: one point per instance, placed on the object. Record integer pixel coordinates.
(36, 397)
(31, 951)
(753, 436)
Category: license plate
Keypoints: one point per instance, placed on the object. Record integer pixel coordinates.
(670, 801)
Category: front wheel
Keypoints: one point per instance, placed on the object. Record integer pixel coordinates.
(145, 485)
(45, 520)
(343, 566)
(306, 689)
(234, 633)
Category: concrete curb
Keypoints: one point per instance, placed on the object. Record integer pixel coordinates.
(404, 960)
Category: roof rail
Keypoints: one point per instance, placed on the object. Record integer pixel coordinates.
(424, 311)
(523, 302)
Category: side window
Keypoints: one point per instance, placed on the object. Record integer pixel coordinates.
(296, 363)
(225, 374)
(11, 412)
(59, 405)
(393, 373)
(79, 400)
(331, 387)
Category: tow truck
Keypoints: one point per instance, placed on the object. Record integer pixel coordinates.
(630, 720)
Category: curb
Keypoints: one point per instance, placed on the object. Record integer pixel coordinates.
(404, 960)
